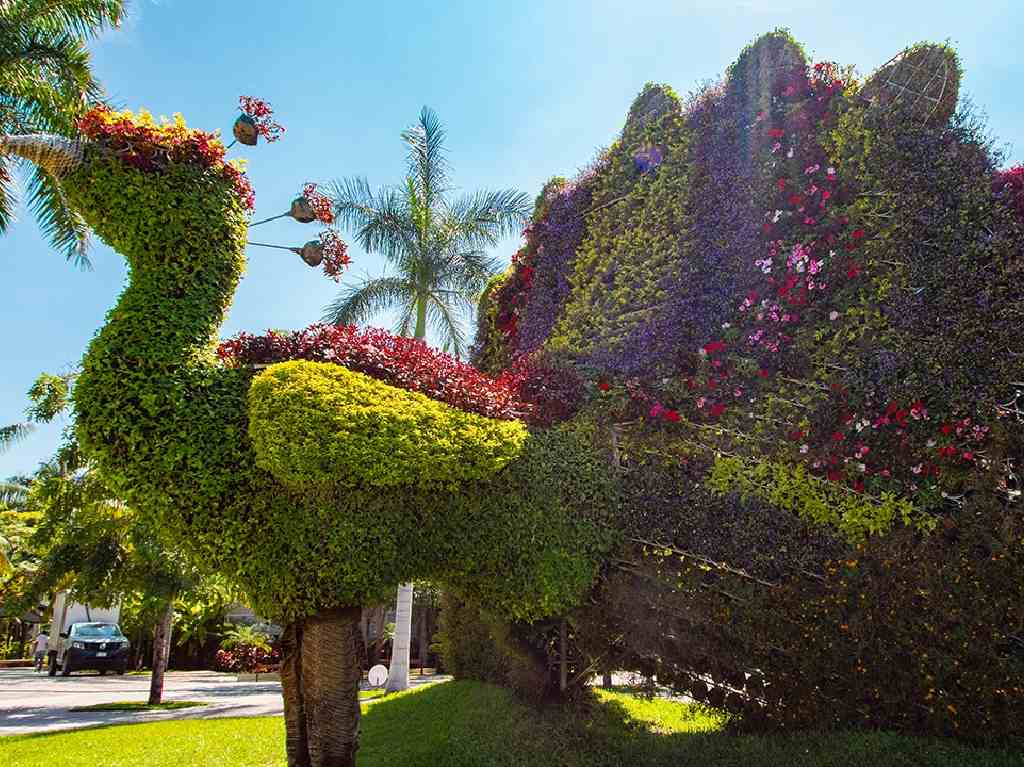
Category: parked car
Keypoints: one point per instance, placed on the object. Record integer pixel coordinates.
(86, 638)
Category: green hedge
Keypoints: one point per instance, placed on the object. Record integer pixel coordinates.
(313, 423)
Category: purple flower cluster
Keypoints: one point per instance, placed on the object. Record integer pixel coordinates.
(557, 235)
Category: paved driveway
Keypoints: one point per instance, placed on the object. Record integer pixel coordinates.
(31, 702)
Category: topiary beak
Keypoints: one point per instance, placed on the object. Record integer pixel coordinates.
(57, 155)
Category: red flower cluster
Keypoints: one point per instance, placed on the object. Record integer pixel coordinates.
(261, 113)
(336, 258)
(320, 203)
(1008, 186)
(150, 147)
(403, 362)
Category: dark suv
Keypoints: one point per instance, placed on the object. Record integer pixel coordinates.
(97, 646)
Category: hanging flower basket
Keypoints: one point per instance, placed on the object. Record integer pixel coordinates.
(245, 130)
(302, 211)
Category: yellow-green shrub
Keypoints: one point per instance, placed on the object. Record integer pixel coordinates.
(312, 422)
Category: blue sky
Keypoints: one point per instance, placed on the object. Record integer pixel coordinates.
(527, 90)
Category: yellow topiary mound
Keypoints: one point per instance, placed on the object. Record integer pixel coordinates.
(317, 423)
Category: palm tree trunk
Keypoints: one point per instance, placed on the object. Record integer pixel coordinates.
(421, 318)
(161, 653)
(398, 674)
(320, 673)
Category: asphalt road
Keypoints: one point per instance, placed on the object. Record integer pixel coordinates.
(31, 702)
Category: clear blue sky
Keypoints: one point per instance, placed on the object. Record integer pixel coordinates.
(527, 90)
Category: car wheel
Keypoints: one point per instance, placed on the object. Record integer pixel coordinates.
(52, 665)
(103, 672)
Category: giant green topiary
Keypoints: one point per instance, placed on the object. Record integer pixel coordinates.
(316, 488)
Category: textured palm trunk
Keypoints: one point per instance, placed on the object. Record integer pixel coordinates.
(321, 667)
(398, 673)
(161, 653)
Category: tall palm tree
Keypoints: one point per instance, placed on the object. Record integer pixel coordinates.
(46, 83)
(436, 245)
(437, 248)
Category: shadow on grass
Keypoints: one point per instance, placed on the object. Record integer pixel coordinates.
(466, 724)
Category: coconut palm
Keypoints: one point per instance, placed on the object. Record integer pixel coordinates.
(45, 84)
(437, 248)
(436, 245)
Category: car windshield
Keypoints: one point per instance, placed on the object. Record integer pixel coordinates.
(96, 630)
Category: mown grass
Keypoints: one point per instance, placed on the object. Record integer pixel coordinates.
(139, 705)
(465, 724)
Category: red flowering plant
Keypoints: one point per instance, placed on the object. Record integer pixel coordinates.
(407, 363)
(1008, 186)
(552, 388)
(261, 113)
(335, 254)
(150, 146)
(319, 203)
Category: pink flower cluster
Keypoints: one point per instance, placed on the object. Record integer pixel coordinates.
(261, 113)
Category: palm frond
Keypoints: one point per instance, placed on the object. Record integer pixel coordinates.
(85, 18)
(442, 320)
(8, 194)
(379, 221)
(425, 158)
(356, 304)
(481, 218)
(12, 494)
(406, 318)
(13, 433)
(59, 221)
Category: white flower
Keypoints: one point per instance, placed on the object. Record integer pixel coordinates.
(833, 315)
(804, 449)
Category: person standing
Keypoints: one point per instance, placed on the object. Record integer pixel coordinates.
(39, 649)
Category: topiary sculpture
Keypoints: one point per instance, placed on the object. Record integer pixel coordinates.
(796, 299)
(317, 487)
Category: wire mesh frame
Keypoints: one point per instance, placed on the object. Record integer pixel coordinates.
(900, 63)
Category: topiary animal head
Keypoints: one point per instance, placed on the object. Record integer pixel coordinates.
(161, 194)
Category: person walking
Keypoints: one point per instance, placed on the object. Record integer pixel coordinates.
(42, 644)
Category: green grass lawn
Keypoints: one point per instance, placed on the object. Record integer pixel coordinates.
(465, 724)
(139, 705)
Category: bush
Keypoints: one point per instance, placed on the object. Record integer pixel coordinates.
(314, 424)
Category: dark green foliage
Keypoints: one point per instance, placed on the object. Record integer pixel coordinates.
(465, 643)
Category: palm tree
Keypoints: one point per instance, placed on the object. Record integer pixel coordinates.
(436, 245)
(437, 248)
(45, 84)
